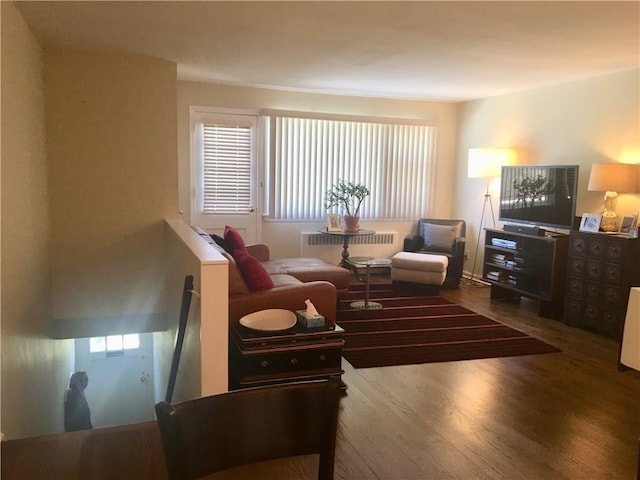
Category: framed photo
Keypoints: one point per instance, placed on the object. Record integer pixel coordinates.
(333, 223)
(590, 222)
(627, 223)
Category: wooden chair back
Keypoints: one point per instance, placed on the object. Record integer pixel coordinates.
(210, 434)
(125, 452)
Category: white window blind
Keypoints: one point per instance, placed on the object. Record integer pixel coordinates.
(226, 156)
(308, 155)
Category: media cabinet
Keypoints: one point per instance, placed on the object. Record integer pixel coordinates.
(533, 266)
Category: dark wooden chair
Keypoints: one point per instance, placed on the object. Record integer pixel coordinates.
(210, 434)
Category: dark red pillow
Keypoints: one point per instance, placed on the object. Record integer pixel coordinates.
(235, 241)
(253, 272)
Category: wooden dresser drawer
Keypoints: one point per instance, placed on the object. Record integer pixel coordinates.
(612, 273)
(268, 363)
(576, 287)
(594, 316)
(614, 252)
(615, 296)
(597, 247)
(593, 270)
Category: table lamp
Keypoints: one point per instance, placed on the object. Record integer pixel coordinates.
(487, 163)
(612, 178)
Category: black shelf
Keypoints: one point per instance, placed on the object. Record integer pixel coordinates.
(535, 268)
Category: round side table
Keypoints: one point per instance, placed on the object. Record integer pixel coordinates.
(345, 245)
(368, 263)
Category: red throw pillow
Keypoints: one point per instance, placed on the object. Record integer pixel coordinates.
(235, 241)
(253, 272)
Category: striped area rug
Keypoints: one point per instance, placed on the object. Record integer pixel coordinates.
(414, 328)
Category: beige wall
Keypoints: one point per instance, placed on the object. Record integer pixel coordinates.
(283, 237)
(579, 123)
(89, 172)
(111, 138)
(35, 368)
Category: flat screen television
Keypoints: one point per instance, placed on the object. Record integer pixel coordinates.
(539, 195)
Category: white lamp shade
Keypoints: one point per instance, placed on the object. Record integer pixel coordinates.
(614, 177)
(487, 162)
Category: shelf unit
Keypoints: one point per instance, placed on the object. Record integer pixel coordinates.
(521, 265)
(601, 271)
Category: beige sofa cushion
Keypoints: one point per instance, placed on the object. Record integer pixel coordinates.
(309, 270)
(280, 280)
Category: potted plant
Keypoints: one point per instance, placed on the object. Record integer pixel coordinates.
(348, 196)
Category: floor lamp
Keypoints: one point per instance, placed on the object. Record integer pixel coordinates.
(487, 163)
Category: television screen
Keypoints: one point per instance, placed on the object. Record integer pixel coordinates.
(542, 195)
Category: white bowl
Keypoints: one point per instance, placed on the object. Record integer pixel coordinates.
(270, 320)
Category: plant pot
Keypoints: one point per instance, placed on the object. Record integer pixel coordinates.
(351, 224)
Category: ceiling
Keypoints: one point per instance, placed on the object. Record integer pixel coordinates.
(446, 51)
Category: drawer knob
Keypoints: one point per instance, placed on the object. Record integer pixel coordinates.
(294, 360)
(264, 363)
(322, 358)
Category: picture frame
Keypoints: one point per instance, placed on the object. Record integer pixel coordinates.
(334, 223)
(590, 222)
(627, 224)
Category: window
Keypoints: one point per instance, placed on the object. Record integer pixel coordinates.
(114, 344)
(308, 155)
(223, 163)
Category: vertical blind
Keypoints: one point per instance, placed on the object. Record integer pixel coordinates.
(395, 161)
(226, 168)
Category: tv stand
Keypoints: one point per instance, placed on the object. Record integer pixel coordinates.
(528, 230)
(522, 265)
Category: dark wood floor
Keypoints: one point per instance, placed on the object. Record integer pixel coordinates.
(568, 415)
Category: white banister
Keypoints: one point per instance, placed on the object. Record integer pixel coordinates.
(204, 363)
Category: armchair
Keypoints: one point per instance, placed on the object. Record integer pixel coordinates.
(441, 237)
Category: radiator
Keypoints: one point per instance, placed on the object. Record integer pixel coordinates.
(329, 247)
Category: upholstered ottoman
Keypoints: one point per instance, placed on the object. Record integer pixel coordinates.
(425, 268)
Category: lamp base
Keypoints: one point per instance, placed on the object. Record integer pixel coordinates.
(610, 218)
(609, 221)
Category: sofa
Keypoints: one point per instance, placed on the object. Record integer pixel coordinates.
(290, 281)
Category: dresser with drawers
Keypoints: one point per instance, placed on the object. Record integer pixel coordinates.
(600, 273)
(267, 358)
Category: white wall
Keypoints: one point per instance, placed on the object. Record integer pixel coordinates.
(35, 368)
(282, 237)
(583, 122)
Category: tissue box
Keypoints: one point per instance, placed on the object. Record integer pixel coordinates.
(309, 321)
